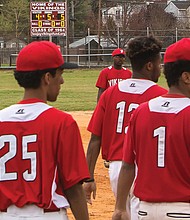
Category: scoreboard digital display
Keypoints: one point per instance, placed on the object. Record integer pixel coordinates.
(48, 18)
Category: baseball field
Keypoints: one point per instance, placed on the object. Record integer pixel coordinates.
(102, 207)
(78, 97)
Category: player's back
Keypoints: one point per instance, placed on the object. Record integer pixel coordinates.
(33, 142)
(118, 102)
(162, 148)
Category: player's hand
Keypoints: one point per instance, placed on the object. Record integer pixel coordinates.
(120, 215)
(90, 190)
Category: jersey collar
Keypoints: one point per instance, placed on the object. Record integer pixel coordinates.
(29, 101)
(167, 95)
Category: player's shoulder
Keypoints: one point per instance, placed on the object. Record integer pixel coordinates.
(23, 111)
(140, 111)
(63, 114)
(159, 89)
(126, 69)
(135, 86)
(110, 90)
(59, 117)
(169, 104)
(106, 69)
(109, 93)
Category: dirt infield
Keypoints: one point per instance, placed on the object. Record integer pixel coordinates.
(103, 205)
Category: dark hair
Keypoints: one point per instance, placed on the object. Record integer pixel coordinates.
(174, 70)
(32, 79)
(142, 50)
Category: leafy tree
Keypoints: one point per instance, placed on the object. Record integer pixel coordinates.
(84, 14)
(15, 17)
(78, 12)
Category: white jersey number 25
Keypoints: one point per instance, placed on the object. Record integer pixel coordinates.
(12, 141)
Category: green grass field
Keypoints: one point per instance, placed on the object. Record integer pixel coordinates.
(78, 93)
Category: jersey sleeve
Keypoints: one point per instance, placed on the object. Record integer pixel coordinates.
(96, 121)
(72, 162)
(129, 144)
(156, 91)
(102, 79)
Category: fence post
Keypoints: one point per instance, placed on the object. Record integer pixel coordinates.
(147, 31)
(88, 47)
(176, 34)
(118, 33)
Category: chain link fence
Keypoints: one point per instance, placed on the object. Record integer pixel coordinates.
(86, 49)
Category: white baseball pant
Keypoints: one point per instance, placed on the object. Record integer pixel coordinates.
(32, 212)
(133, 202)
(164, 211)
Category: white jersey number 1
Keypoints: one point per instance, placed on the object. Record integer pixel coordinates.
(11, 140)
(161, 133)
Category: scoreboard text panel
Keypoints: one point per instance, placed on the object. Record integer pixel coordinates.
(48, 18)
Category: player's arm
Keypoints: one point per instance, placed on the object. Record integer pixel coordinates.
(100, 91)
(93, 152)
(76, 197)
(125, 181)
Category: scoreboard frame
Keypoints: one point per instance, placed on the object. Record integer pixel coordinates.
(48, 19)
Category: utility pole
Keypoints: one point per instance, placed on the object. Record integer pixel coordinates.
(72, 20)
(99, 27)
(67, 31)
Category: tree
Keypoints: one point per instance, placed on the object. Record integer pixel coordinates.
(15, 16)
(78, 12)
(114, 27)
(160, 23)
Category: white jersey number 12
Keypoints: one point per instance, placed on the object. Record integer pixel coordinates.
(120, 121)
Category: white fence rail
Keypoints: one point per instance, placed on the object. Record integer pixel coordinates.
(84, 60)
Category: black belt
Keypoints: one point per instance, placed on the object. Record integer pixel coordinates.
(45, 210)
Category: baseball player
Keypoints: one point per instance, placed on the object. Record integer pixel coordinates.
(42, 161)
(158, 143)
(111, 75)
(109, 121)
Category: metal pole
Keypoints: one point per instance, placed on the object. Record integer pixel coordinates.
(89, 47)
(50, 37)
(67, 31)
(73, 17)
(176, 34)
(147, 31)
(118, 44)
(99, 25)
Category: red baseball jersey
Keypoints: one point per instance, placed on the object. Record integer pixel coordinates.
(41, 154)
(158, 141)
(110, 76)
(111, 116)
